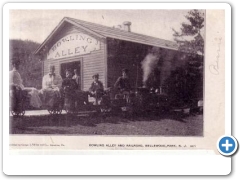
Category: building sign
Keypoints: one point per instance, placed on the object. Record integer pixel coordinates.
(73, 45)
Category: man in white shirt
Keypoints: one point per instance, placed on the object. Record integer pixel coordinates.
(51, 85)
(16, 80)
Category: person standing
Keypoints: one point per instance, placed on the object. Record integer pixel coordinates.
(69, 86)
(81, 96)
(77, 78)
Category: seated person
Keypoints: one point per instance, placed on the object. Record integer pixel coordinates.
(123, 84)
(96, 90)
(51, 85)
(69, 86)
(16, 83)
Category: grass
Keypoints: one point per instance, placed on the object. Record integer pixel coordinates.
(150, 125)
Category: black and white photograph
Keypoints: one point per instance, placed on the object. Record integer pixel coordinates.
(107, 72)
(117, 89)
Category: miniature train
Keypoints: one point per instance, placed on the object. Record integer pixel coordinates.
(139, 101)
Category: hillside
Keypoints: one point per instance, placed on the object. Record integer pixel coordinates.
(31, 66)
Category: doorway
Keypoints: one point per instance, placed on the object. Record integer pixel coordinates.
(71, 66)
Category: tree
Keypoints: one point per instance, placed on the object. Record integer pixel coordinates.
(190, 39)
(186, 83)
(31, 67)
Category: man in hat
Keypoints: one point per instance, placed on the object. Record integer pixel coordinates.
(96, 89)
(51, 85)
(17, 86)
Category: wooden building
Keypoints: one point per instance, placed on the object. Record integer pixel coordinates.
(93, 48)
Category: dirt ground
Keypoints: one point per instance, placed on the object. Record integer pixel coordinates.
(163, 125)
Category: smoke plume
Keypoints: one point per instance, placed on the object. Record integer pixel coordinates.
(148, 64)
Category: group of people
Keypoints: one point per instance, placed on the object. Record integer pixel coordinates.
(122, 86)
(53, 87)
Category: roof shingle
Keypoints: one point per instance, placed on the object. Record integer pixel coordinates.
(125, 35)
(115, 33)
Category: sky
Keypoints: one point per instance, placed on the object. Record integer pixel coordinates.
(36, 25)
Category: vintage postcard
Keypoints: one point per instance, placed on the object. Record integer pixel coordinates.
(116, 79)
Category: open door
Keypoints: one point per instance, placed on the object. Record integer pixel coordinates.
(71, 66)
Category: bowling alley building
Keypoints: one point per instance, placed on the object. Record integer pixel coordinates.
(92, 48)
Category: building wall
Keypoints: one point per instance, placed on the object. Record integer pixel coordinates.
(113, 56)
(125, 54)
(172, 65)
(91, 63)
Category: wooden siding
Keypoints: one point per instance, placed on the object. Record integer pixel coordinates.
(91, 63)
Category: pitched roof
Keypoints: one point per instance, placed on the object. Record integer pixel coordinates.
(105, 31)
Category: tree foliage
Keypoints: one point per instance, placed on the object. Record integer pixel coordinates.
(190, 38)
(185, 84)
(30, 67)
